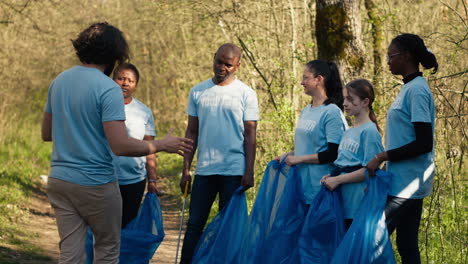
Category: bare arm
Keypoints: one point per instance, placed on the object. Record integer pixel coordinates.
(190, 133)
(123, 145)
(333, 182)
(46, 129)
(327, 156)
(293, 160)
(250, 144)
(151, 168)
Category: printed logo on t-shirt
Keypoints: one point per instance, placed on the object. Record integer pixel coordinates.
(307, 125)
(219, 101)
(397, 103)
(349, 145)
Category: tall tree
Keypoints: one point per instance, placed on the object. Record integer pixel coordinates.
(339, 36)
(376, 22)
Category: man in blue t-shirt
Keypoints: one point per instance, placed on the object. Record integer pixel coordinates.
(84, 118)
(222, 121)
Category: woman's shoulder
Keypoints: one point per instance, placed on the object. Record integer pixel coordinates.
(418, 85)
(369, 129)
(137, 104)
(333, 110)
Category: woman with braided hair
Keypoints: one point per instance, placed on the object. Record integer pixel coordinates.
(409, 143)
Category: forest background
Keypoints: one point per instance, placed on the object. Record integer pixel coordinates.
(173, 42)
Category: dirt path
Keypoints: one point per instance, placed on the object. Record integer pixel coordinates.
(171, 206)
(41, 224)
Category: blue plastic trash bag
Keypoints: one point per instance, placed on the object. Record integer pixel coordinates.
(323, 229)
(221, 240)
(263, 211)
(367, 240)
(141, 237)
(287, 225)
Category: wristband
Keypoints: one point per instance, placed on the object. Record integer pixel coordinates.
(150, 181)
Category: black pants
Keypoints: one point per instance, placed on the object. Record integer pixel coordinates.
(131, 200)
(404, 215)
(204, 191)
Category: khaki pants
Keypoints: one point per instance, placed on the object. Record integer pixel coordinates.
(77, 207)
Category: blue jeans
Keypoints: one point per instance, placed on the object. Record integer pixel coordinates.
(204, 191)
(404, 215)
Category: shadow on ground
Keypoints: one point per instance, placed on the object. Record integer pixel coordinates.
(10, 256)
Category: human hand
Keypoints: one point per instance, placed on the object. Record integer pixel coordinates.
(293, 160)
(174, 144)
(322, 181)
(374, 163)
(281, 157)
(184, 180)
(152, 188)
(247, 181)
(331, 182)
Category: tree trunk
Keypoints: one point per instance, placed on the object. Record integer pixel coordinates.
(339, 36)
(377, 37)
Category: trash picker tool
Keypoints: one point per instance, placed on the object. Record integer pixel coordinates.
(181, 220)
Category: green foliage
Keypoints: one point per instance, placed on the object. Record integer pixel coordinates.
(172, 43)
(23, 159)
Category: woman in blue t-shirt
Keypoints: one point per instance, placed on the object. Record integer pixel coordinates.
(320, 126)
(409, 143)
(358, 146)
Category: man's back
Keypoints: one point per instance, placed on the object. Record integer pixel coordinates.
(80, 99)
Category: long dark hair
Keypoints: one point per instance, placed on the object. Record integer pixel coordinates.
(331, 75)
(415, 46)
(364, 89)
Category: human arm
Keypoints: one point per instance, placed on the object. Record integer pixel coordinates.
(151, 168)
(250, 143)
(323, 157)
(46, 127)
(421, 145)
(123, 145)
(333, 182)
(191, 133)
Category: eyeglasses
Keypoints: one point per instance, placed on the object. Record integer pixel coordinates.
(389, 57)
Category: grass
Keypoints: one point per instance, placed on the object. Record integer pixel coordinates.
(23, 161)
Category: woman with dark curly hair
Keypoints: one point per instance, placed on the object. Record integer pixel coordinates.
(409, 142)
(84, 118)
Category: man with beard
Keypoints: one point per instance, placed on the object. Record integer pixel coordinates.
(84, 118)
(222, 120)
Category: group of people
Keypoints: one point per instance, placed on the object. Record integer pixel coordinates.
(94, 120)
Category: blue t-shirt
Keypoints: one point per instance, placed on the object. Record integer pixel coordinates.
(139, 123)
(316, 128)
(221, 112)
(357, 147)
(80, 100)
(412, 178)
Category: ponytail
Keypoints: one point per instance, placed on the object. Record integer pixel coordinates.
(364, 89)
(373, 118)
(414, 45)
(331, 75)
